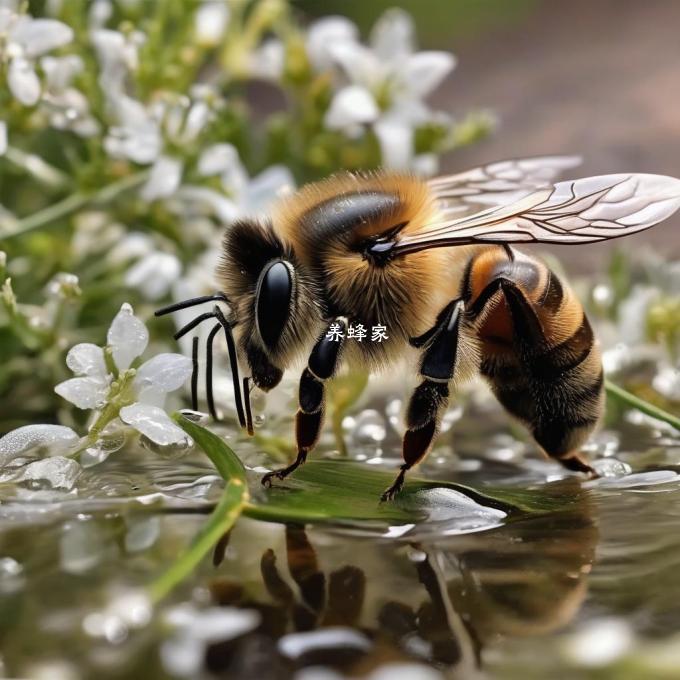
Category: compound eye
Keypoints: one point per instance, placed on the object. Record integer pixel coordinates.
(273, 300)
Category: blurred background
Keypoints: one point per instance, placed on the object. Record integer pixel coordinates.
(599, 79)
(133, 132)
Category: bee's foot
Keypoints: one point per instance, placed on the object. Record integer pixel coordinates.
(266, 480)
(393, 490)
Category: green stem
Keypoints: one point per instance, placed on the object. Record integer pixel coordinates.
(73, 203)
(222, 519)
(38, 168)
(641, 405)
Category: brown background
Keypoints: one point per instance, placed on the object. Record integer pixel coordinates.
(600, 78)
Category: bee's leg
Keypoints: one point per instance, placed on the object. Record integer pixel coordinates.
(321, 366)
(438, 367)
(553, 389)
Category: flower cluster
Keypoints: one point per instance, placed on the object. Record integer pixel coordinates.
(109, 381)
(127, 144)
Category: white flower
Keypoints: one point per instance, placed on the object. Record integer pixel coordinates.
(3, 137)
(325, 33)
(127, 339)
(118, 56)
(25, 39)
(387, 85)
(268, 60)
(137, 135)
(164, 180)
(210, 22)
(154, 274)
(245, 195)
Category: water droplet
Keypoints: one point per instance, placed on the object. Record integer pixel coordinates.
(11, 575)
(51, 473)
(611, 467)
(416, 555)
(169, 451)
(103, 447)
(369, 429)
(194, 416)
(258, 405)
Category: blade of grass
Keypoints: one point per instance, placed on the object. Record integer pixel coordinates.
(630, 399)
(222, 518)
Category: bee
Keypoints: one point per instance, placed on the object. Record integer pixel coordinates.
(435, 264)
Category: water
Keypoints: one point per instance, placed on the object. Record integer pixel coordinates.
(590, 588)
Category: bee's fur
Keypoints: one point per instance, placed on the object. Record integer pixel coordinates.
(551, 380)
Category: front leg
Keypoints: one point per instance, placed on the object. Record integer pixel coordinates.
(444, 359)
(322, 365)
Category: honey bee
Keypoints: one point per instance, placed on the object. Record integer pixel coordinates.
(434, 264)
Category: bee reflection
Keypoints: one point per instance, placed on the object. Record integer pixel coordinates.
(355, 605)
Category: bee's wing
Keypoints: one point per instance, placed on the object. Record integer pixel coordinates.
(498, 183)
(578, 211)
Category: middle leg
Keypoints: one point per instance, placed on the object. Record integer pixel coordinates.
(443, 360)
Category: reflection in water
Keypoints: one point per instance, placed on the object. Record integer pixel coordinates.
(354, 604)
(525, 594)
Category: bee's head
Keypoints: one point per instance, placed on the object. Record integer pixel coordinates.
(269, 291)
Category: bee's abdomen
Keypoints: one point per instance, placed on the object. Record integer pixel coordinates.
(548, 370)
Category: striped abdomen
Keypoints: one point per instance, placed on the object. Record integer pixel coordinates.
(538, 350)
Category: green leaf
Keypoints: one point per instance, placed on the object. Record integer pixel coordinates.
(332, 491)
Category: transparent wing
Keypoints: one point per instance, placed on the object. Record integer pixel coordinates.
(578, 211)
(498, 183)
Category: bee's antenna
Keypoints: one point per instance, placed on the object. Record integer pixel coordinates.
(194, 374)
(208, 370)
(191, 303)
(231, 346)
(193, 323)
(246, 399)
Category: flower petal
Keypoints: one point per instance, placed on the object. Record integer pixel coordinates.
(268, 61)
(393, 34)
(56, 437)
(85, 393)
(87, 359)
(38, 36)
(210, 22)
(127, 337)
(423, 72)
(217, 158)
(23, 81)
(166, 372)
(154, 274)
(266, 187)
(359, 64)
(351, 105)
(3, 137)
(152, 422)
(328, 31)
(396, 143)
(164, 179)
